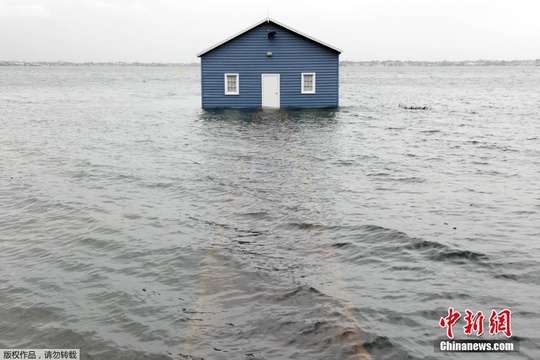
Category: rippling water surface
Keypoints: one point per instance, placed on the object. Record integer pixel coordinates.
(134, 225)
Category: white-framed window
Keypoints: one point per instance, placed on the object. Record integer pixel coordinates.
(232, 84)
(308, 83)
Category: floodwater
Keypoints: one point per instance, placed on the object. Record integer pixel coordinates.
(134, 225)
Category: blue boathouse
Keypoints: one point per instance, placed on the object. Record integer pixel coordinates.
(270, 65)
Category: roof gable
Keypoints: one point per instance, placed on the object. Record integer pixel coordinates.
(268, 20)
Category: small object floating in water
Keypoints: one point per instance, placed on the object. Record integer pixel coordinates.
(413, 107)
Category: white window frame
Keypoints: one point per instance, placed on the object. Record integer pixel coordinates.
(308, 91)
(237, 92)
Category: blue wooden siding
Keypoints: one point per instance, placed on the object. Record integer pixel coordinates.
(293, 55)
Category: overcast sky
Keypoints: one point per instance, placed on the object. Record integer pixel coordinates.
(176, 30)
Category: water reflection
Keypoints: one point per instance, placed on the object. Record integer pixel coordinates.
(320, 116)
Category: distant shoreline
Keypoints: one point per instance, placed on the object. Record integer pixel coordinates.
(535, 62)
(68, 63)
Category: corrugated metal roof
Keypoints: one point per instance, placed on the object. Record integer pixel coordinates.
(262, 22)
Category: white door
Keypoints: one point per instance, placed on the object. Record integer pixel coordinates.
(270, 90)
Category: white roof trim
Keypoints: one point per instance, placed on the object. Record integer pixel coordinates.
(275, 22)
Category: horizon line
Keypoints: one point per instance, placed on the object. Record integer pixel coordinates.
(198, 62)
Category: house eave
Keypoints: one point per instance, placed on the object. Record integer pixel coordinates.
(339, 51)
